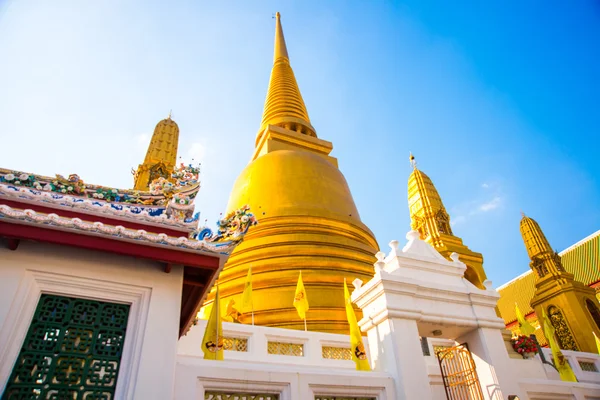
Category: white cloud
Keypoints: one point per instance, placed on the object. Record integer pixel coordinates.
(485, 185)
(458, 220)
(142, 140)
(491, 205)
(197, 152)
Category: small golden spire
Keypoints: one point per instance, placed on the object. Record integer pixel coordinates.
(170, 113)
(534, 238)
(161, 153)
(413, 162)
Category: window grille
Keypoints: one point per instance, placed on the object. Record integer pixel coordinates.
(588, 366)
(72, 350)
(286, 349)
(336, 353)
(235, 344)
(215, 395)
(425, 346)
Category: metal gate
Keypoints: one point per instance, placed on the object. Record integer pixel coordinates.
(459, 373)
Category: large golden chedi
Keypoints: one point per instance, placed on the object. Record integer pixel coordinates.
(307, 218)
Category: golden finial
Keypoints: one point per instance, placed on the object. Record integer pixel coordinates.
(413, 162)
(523, 214)
(280, 47)
(170, 113)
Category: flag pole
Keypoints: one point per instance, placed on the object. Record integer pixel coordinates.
(305, 330)
(218, 321)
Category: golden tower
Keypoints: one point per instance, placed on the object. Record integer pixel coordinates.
(430, 218)
(161, 155)
(307, 218)
(571, 306)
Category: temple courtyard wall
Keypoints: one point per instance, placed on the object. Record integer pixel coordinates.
(298, 365)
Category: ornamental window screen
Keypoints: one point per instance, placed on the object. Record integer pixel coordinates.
(563, 333)
(593, 309)
(285, 349)
(588, 366)
(235, 344)
(72, 350)
(218, 395)
(336, 353)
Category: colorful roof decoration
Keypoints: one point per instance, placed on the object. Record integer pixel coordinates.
(158, 224)
(581, 259)
(167, 202)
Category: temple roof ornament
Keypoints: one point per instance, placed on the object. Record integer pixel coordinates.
(167, 204)
(161, 156)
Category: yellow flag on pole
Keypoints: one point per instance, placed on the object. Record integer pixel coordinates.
(597, 342)
(247, 305)
(524, 325)
(212, 342)
(359, 355)
(563, 367)
(300, 300)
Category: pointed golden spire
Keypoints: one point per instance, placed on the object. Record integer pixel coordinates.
(161, 155)
(280, 47)
(534, 238)
(429, 216)
(284, 105)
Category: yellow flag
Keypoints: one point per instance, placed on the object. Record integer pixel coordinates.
(300, 300)
(564, 369)
(247, 305)
(359, 356)
(524, 325)
(212, 342)
(597, 342)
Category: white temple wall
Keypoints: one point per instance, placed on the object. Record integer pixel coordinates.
(149, 353)
(259, 367)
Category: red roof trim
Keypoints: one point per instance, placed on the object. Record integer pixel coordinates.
(92, 217)
(43, 234)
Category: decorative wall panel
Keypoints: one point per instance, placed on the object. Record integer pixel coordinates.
(72, 350)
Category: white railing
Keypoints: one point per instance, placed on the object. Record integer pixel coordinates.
(275, 345)
(292, 364)
(586, 366)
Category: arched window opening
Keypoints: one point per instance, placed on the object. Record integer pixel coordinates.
(593, 309)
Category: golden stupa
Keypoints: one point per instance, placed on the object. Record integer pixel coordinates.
(307, 218)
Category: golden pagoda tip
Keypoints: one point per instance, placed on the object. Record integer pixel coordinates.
(412, 160)
(280, 47)
(523, 214)
(170, 113)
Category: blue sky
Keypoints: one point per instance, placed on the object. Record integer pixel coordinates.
(499, 103)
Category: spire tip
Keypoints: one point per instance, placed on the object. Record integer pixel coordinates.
(412, 160)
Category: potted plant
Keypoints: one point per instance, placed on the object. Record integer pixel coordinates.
(525, 346)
